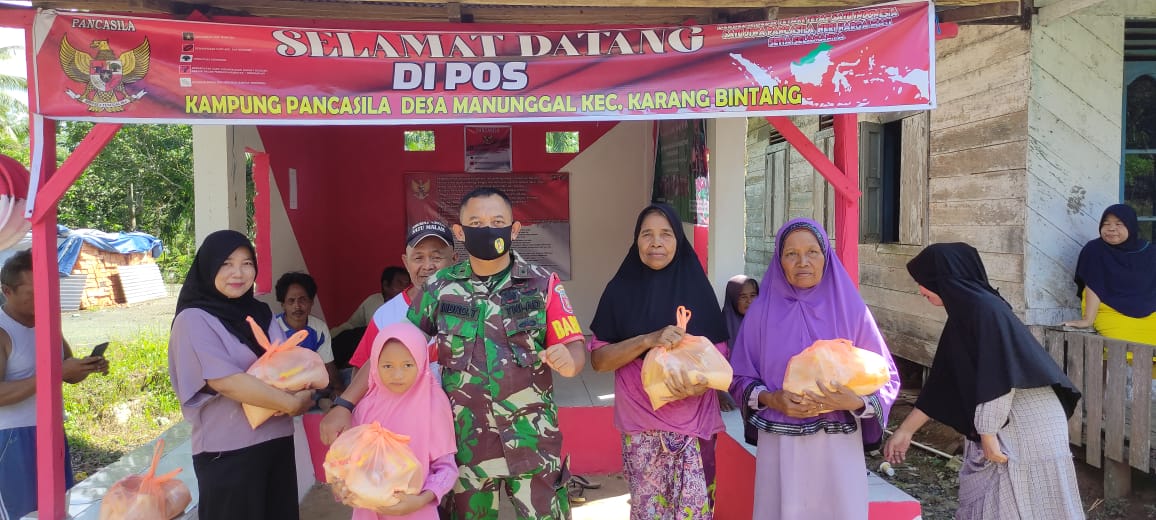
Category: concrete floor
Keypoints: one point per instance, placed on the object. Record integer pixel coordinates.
(609, 503)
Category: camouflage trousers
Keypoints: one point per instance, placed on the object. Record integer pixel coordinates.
(476, 498)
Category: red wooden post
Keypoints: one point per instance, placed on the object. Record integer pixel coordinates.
(261, 219)
(46, 284)
(43, 196)
(847, 207)
(46, 287)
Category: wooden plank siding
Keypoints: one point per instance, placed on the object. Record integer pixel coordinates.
(799, 195)
(757, 247)
(962, 178)
(1074, 119)
(1113, 420)
(913, 188)
(975, 186)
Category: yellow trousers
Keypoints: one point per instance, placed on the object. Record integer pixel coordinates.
(1111, 324)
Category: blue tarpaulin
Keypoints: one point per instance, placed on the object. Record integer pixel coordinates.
(68, 249)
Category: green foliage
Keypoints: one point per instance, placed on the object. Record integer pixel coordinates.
(108, 415)
(419, 140)
(1140, 187)
(562, 142)
(13, 110)
(142, 181)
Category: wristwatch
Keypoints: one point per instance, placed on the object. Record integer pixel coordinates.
(344, 403)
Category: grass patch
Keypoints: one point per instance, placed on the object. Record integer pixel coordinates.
(108, 416)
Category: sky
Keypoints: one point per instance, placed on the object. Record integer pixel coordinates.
(9, 37)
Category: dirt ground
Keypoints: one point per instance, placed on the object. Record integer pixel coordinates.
(934, 480)
(88, 327)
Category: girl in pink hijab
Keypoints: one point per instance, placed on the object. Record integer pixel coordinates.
(404, 398)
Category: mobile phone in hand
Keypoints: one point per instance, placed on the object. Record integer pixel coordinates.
(98, 351)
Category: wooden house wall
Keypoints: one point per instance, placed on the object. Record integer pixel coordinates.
(1075, 115)
(963, 178)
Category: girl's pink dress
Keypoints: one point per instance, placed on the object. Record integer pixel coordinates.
(422, 412)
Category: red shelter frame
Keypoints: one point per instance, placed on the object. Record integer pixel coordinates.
(50, 183)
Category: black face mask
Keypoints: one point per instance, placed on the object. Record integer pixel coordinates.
(487, 243)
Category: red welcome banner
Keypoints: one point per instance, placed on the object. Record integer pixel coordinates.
(130, 69)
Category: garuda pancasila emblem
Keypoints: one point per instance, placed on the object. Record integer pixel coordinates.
(104, 75)
(421, 188)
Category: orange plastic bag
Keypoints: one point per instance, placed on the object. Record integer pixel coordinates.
(372, 463)
(696, 354)
(286, 366)
(836, 360)
(146, 497)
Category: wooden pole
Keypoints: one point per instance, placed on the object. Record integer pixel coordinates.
(847, 202)
(46, 284)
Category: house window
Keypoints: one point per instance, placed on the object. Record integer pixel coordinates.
(1138, 184)
(880, 149)
(562, 142)
(826, 122)
(419, 140)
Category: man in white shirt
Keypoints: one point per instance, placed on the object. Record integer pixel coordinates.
(296, 292)
(18, 388)
(394, 280)
(429, 248)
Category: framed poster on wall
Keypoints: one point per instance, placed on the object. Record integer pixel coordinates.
(488, 149)
(541, 204)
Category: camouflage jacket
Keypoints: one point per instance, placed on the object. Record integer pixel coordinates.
(488, 336)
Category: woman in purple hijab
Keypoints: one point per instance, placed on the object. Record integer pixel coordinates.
(810, 460)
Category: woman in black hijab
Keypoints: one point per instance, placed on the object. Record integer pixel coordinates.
(994, 383)
(1116, 280)
(669, 452)
(242, 472)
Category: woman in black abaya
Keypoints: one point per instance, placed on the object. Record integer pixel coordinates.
(993, 382)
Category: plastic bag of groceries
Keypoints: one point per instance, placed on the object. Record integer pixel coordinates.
(368, 464)
(146, 497)
(696, 354)
(286, 366)
(839, 361)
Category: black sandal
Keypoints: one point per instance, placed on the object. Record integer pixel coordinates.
(583, 483)
(576, 493)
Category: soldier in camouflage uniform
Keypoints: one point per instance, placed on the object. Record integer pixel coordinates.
(501, 324)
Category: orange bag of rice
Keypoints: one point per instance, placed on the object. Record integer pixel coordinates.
(286, 366)
(372, 463)
(840, 361)
(696, 354)
(146, 497)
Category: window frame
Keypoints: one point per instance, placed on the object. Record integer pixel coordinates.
(1133, 70)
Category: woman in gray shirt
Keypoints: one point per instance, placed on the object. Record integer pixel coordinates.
(242, 472)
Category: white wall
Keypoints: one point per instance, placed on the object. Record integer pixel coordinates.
(1074, 120)
(218, 180)
(727, 141)
(216, 212)
(610, 182)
